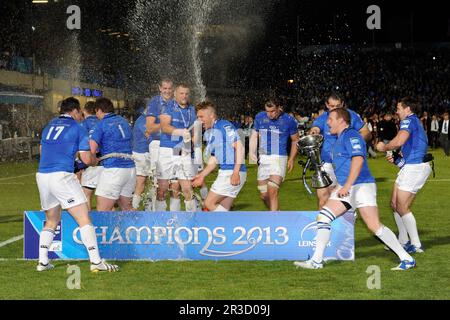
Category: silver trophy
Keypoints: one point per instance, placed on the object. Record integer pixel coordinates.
(310, 146)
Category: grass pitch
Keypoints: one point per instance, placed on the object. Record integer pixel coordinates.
(206, 280)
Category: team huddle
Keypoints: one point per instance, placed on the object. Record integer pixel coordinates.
(165, 149)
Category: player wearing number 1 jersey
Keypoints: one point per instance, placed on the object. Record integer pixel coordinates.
(117, 181)
(58, 186)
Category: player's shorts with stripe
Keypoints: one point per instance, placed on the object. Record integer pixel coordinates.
(360, 195)
(412, 177)
(90, 176)
(116, 182)
(328, 167)
(59, 188)
(173, 166)
(143, 163)
(272, 165)
(222, 185)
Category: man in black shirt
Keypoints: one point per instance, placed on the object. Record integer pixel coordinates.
(387, 129)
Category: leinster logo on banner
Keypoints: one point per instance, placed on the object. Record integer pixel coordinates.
(195, 236)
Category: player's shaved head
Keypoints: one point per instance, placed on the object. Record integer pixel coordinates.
(69, 104)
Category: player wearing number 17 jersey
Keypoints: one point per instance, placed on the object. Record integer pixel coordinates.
(58, 186)
(118, 179)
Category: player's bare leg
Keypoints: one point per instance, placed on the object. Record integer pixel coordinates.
(404, 201)
(214, 202)
(88, 193)
(105, 204)
(403, 237)
(263, 192)
(188, 194)
(89, 238)
(227, 203)
(371, 218)
(323, 195)
(52, 217)
(175, 196)
(273, 186)
(140, 186)
(163, 188)
(125, 203)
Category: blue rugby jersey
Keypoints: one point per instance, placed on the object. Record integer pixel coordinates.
(329, 139)
(61, 139)
(154, 108)
(89, 123)
(113, 135)
(274, 134)
(350, 144)
(140, 141)
(416, 146)
(181, 118)
(220, 140)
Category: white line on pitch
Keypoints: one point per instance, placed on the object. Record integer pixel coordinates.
(5, 243)
(430, 180)
(22, 176)
(12, 183)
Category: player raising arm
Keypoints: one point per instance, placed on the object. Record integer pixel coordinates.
(356, 189)
(58, 186)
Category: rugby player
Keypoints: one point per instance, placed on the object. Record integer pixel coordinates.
(413, 175)
(58, 186)
(89, 177)
(356, 189)
(273, 128)
(141, 156)
(228, 152)
(118, 179)
(177, 120)
(320, 127)
(154, 108)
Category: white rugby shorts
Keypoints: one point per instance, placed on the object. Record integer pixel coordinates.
(222, 185)
(328, 167)
(154, 153)
(171, 167)
(90, 176)
(143, 163)
(272, 165)
(59, 188)
(360, 195)
(412, 177)
(116, 182)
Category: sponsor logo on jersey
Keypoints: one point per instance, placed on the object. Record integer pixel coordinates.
(356, 145)
(405, 124)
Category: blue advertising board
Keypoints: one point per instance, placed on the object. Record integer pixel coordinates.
(194, 236)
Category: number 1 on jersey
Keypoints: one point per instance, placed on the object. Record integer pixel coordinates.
(121, 131)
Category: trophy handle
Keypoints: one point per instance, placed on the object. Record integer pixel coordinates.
(305, 169)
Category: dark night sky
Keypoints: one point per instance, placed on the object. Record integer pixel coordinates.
(318, 20)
